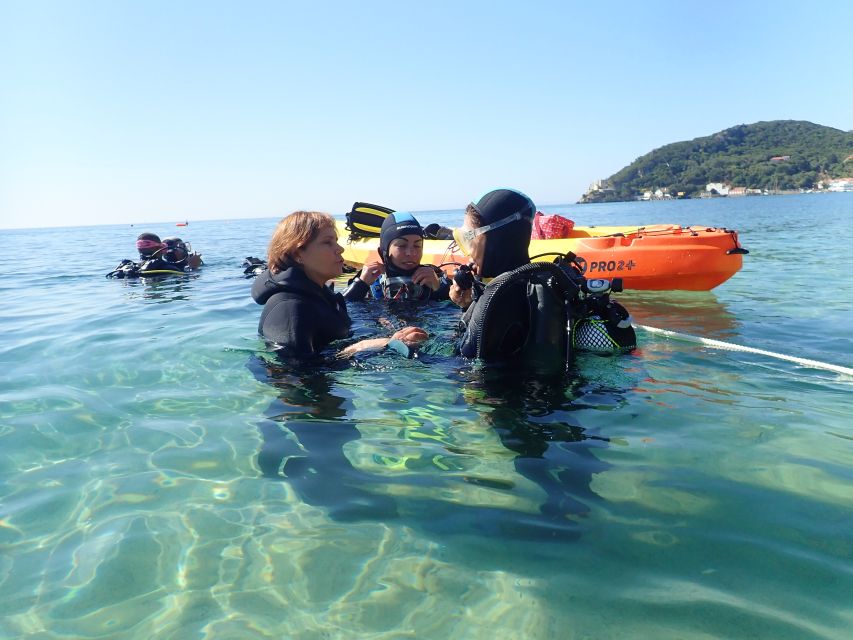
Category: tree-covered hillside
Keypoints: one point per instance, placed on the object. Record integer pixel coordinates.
(774, 156)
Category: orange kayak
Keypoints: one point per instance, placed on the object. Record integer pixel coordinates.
(654, 257)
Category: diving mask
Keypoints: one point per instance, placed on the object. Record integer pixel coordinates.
(464, 236)
(176, 250)
(403, 288)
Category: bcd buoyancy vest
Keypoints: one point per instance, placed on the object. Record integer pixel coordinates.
(152, 267)
(125, 269)
(523, 314)
(538, 313)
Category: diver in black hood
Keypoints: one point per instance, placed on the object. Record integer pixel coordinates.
(159, 257)
(537, 312)
(399, 274)
(495, 235)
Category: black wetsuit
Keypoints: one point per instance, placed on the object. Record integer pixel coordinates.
(523, 313)
(158, 264)
(527, 311)
(147, 267)
(299, 315)
(514, 313)
(467, 345)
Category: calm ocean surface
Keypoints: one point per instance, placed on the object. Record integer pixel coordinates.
(677, 492)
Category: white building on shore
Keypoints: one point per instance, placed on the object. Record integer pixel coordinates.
(840, 184)
(720, 187)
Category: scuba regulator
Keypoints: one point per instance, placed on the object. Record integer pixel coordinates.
(464, 277)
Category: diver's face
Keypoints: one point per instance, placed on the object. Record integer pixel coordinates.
(406, 252)
(476, 248)
(322, 257)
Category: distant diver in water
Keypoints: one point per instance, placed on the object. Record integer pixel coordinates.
(158, 258)
(253, 267)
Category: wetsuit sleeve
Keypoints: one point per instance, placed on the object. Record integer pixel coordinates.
(357, 289)
(290, 325)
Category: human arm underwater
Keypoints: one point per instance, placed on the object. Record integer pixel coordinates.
(410, 337)
(295, 335)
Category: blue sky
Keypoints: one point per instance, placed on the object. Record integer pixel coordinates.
(116, 111)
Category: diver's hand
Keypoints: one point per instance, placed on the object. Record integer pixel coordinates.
(427, 277)
(410, 336)
(460, 296)
(371, 271)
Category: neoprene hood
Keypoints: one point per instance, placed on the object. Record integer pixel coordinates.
(397, 225)
(506, 247)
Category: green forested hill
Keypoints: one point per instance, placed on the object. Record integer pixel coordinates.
(748, 155)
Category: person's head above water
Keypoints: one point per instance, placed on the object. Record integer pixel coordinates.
(401, 244)
(174, 250)
(496, 233)
(307, 240)
(148, 245)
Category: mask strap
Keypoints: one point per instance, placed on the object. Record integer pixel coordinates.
(468, 235)
(500, 223)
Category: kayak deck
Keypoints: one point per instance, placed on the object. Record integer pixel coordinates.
(653, 257)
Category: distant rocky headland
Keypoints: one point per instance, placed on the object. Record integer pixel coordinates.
(781, 156)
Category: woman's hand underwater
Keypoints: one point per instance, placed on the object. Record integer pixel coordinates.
(411, 336)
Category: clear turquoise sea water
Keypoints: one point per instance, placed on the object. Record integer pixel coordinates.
(678, 492)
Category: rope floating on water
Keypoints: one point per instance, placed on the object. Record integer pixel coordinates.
(730, 346)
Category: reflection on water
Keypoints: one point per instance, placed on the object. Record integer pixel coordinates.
(509, 461)
(532, 414)
(161, 289)
(304, 440)
(694, 312)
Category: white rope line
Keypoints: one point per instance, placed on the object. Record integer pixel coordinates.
(730, 346)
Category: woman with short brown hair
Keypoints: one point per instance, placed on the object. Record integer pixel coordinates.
(294, 232)
(301, 315)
